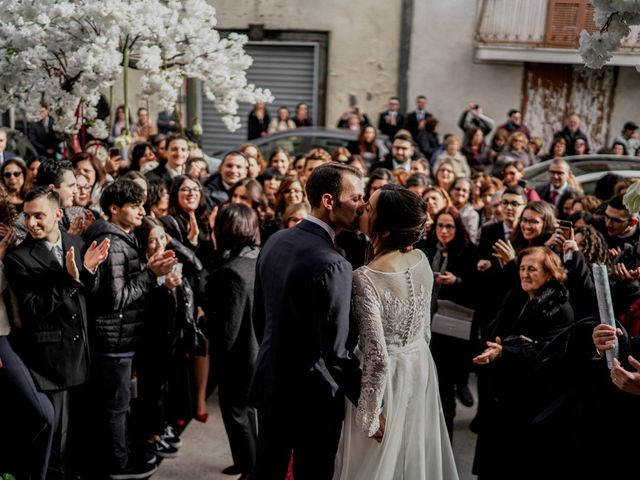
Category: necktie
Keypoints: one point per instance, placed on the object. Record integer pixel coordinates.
(59, 255)
(553, 196)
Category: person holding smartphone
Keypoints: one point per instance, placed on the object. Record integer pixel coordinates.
(538, 227)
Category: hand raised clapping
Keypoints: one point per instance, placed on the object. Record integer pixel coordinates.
(504, 252)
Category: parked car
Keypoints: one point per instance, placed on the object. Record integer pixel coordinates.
(301, 140)
(588, 169)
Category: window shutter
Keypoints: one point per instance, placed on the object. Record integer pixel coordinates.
(565, 20)
(589, 23)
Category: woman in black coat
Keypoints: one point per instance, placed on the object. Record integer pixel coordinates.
(166, 346)
(229, 294)
(518, 436)
(453, 258)
(538, 227)
(188, 222)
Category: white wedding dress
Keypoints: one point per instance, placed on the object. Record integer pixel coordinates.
(399, 379)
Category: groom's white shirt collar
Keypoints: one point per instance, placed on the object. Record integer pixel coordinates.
(320, 223)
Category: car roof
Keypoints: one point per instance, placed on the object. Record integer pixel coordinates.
(585, 164)
(311, 131)
(306, 132)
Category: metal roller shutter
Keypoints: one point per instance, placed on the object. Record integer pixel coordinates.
(290, 71)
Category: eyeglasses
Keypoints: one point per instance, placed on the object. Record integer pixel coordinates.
(188, 190)
(507, 203)
(86, 188)
(555, 172)
(445, 226)
(615, 220)
(291, 191)
(12, 174)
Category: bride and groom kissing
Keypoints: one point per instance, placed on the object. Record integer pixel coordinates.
(326, 333)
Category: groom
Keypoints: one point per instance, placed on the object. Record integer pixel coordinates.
(301, 318)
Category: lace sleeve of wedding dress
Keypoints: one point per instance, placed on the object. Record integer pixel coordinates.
(374, 361)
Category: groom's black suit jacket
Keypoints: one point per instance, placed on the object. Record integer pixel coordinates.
(301, 320)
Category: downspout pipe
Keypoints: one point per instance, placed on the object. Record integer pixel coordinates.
(406, 30)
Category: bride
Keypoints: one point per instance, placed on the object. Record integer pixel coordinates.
(397, 430)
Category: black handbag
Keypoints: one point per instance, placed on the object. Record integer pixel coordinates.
(195, 341)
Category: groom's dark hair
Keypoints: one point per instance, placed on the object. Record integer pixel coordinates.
(327, 178)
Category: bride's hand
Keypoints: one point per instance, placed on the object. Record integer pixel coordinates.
(380, 433)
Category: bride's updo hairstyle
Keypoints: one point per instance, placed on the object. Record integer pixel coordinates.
(398, 221)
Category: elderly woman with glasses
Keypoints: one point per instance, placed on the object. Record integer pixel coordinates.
(538, 227)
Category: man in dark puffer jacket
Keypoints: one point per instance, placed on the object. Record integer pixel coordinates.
(116, 315)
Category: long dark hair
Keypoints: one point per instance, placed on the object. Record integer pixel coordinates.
(285, 185)
(595, 249)
(378, 174)
(548, 217)
(142, 234)
(236, 227)
(18, 162)
(137, 153)
(202, 213)
(398, 221)
(363, 146)
(461, 238)
(254, 191)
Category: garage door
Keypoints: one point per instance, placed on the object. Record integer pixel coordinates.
(290, 71)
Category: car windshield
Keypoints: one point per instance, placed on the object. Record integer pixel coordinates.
(328, 143)
(539, 173)
(293, 144)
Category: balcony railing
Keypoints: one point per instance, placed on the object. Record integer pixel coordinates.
(540, 24)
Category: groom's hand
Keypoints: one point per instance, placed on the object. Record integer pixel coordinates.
(380, 433)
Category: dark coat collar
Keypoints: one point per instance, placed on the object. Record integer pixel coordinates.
(41, 253)
(549, 299)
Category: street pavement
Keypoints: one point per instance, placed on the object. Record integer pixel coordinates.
(205, 451)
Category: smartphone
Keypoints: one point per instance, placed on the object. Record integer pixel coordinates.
(566, 227)
(177, 269)
(114, 152)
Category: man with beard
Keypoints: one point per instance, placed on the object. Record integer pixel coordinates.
(301, 319)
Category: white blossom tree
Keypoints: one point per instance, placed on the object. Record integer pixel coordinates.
(614, 18)
(66, 52)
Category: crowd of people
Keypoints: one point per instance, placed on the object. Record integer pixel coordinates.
(136, 279)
